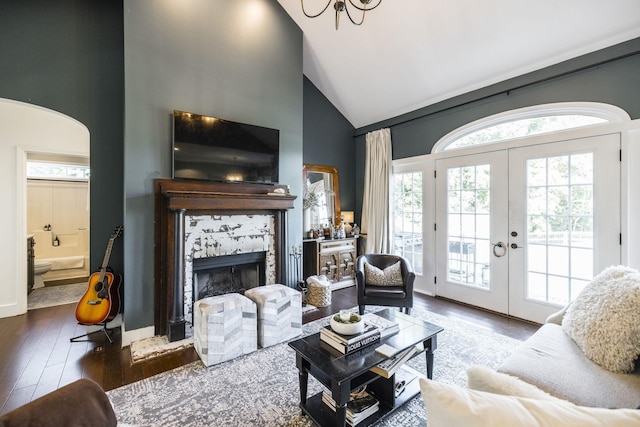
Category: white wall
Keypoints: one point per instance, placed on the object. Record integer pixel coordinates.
(62, 204)
(26, 128)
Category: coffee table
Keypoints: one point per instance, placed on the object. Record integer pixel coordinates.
(343, 373)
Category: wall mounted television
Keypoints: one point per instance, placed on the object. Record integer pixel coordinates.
(213, 149)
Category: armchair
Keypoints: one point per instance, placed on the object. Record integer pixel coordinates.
(395, 296)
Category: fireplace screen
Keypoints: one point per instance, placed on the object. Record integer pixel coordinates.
(228, 273)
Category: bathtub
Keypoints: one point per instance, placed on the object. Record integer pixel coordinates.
(69, 260)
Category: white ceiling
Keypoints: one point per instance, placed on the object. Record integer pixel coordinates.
(412, 53)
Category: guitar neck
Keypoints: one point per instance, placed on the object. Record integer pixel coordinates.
(105, 260)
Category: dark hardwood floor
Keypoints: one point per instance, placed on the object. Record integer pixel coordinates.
(36, 356)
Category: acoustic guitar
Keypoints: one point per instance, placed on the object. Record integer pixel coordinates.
(100, 303)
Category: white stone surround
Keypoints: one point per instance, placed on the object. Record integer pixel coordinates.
(219, 235)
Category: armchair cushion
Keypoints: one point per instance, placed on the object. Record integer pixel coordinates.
(390, 276)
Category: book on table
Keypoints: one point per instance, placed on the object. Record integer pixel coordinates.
(389, 366)
(387, 327)
(360, 407)
(346, 344)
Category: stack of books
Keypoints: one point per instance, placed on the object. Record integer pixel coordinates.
(361, 406)
(375, 329)
(346, 344)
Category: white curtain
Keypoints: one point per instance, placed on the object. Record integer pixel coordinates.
(375, 201)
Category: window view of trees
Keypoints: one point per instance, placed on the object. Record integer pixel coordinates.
(524, 127)
(407, 217)
(560, 226)
(468, 225)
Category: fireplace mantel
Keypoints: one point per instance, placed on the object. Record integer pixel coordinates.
(175, 198)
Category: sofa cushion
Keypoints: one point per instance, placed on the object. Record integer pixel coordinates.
(452, 405)
(604, 319)
(481, 378)
(551, 361)
(390, 276)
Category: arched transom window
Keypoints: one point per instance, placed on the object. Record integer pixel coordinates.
(530, 121)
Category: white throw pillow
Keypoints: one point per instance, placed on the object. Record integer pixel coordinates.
(450, 405)
(481, 378)
(390, 276)
(604, 319)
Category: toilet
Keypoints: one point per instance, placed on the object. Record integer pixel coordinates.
(38, 270)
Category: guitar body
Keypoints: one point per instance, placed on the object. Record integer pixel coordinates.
(95, 304)
(115, 296)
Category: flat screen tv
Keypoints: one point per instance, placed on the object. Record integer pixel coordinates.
(213, 149)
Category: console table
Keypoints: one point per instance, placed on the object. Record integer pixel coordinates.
(332, 258)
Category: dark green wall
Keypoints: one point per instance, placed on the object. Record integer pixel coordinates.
(239, 60)
(67, 55)
(328, 141)
(610, 76)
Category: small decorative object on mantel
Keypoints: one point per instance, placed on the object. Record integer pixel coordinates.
(278, 192)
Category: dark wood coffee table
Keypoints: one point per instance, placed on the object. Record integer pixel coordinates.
(343, 373)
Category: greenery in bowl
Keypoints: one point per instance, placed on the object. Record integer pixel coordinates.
(355, 318)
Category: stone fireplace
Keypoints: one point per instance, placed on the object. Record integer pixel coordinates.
(212, 238)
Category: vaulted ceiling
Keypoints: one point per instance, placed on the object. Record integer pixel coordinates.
(412, 53)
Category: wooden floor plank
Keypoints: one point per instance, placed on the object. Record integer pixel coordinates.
(37, 356)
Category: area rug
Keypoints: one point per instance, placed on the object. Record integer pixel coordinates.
(261, 388)
(55, 295)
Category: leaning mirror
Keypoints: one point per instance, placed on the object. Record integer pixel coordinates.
(321, 201)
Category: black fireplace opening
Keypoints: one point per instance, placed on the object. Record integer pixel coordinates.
(226, 274)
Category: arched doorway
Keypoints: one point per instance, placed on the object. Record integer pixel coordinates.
(26, 129)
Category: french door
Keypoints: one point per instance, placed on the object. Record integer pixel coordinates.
(521, 231)
(471, 222)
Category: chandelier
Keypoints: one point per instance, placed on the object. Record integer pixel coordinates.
(341, 6)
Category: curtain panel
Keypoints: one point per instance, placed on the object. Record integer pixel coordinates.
(375, 202)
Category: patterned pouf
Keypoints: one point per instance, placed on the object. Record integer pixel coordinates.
(279, 313)
(224, 327)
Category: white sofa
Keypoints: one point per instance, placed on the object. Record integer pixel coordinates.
(553, 362)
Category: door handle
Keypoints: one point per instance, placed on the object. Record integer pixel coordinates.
(499, 249)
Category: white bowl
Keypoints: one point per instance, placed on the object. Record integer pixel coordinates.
(347, 328)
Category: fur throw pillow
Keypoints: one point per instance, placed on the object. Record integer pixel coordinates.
(390, 276)
(604, 319)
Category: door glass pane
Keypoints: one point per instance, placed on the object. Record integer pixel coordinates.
(559, 210)
(468, 230)
(407, 213)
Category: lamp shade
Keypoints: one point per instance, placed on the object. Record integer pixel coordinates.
(347, 216)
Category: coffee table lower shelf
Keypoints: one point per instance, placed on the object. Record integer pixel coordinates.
(323, 415)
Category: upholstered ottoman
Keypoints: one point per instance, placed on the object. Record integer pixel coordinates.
(224, 327)
(279, 313)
